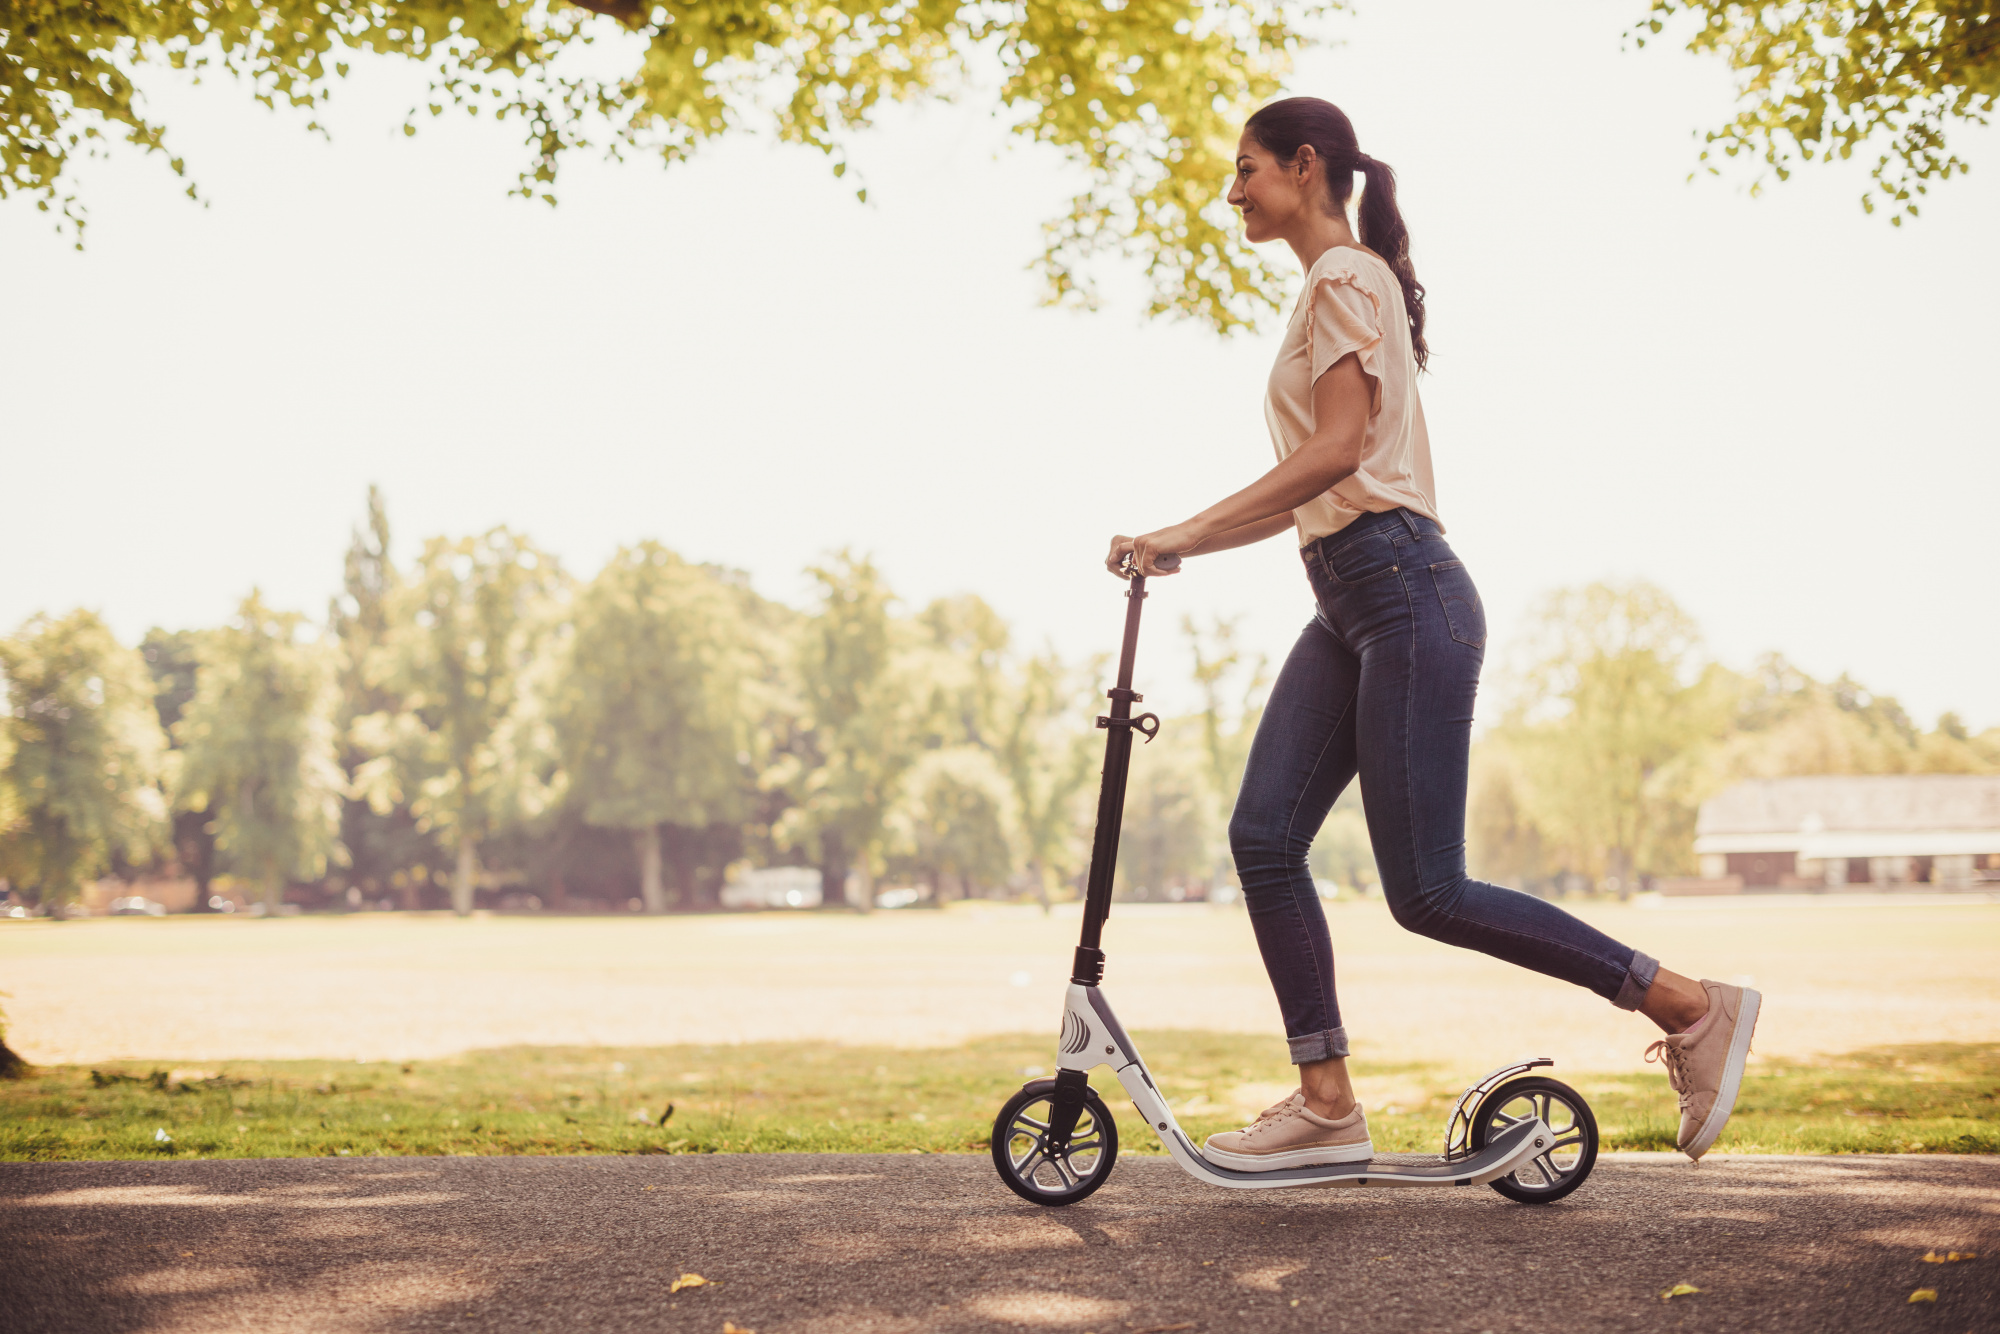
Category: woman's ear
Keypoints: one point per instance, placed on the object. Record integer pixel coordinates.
(1305, 161)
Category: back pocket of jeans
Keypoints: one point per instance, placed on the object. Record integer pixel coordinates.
(1462, 609)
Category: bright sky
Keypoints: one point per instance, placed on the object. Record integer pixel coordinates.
(1771, 407)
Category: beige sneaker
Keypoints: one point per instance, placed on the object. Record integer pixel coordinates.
(1705, 1064)
(1288, 1135)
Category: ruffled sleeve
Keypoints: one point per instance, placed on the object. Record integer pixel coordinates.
(1344, 316)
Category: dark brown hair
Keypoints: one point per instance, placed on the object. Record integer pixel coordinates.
(1288, 125)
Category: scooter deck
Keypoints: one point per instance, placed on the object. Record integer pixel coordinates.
(1509, 1151)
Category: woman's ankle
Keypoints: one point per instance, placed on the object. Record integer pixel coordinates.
(1325, 1084)
(1674, 1002)
(1331, 1109)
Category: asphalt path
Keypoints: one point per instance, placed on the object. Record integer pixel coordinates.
(800, 1244)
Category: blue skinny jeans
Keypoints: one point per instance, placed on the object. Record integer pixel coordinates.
(1381, 683)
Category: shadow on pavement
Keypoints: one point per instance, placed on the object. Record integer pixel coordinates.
(814, 1243)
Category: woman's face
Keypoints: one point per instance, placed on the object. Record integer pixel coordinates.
(1270, 195)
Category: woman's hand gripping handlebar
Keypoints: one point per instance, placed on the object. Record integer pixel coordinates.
(1131, 556)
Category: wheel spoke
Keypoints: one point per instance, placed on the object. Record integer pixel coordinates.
(1033, 1130)
(1549, 1170)
(1576, 1138)
(1062, 1170)
(1023, 1119)
(1037, 1149)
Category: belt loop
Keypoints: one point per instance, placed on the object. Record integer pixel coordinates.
(1409, 521)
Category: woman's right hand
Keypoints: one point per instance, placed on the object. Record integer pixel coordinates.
(1121, 550)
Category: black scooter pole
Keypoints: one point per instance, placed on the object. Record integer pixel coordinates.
(1088, 968)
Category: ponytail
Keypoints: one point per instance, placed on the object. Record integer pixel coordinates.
(1383, 231)
(1286, 126)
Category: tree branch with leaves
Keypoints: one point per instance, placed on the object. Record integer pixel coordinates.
(1821, 79)
(1145, 96)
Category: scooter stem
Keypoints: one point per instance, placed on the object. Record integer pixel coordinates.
(1088, 968)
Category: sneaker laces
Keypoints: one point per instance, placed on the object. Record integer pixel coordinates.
(1675, 1060)
(1272, 1112)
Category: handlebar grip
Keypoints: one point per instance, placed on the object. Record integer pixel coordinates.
(1168, 562)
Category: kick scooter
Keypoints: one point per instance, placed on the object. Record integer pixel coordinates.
(1529, 1137)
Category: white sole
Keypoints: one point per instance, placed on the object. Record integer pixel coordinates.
(1732, 1077)
(1322, 1156)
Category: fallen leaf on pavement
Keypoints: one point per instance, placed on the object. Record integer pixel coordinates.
(731, 1327)
(1933, 1258)
(688, 1281)
(1678, 1290)
(1924, 1295)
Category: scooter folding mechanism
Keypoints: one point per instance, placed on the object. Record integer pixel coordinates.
(1529, 1137)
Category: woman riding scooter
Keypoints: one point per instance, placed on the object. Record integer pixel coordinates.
(1381, 682)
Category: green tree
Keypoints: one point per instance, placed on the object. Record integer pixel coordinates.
(1173, 831)
(1822, 78)
(1227, 725)
(954, 823)
(1611, 731)
(174, 659)
(257, 748)
(653, 720)
(1145, 95)
(385, 848)
(860, 726)
(469, 623)
(1786, 723)
(82, 756)
(1045, 747)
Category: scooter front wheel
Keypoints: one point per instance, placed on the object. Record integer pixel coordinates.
(1035, 1170)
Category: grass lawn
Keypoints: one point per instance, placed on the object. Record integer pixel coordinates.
(762, 1097)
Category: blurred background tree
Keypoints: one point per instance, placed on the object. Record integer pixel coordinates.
(82, 757)
(387, 851)
(1045, 748)
(468, 624)
(174, 659)
(258, 749)
(630, 745)
(1146, 96)
(954, 822)
(1609, 732)
(653, 724)
(1822, 78)
(862, 728)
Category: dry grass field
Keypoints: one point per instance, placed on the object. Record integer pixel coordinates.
(402, 1033)
(1837, 977)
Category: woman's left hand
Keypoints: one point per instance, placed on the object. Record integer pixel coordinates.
(1179, 540)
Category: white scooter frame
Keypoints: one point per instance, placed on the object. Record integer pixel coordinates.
(1092, 1036)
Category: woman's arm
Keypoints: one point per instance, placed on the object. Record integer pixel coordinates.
(1341, 399)
(1241, 536)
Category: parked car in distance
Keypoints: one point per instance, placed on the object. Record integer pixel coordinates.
(137, 905)
(774, 887)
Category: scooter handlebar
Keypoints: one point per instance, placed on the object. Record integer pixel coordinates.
(1167, 562)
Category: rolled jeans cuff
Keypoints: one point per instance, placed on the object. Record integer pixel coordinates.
(1321, 1046)
(1639, 975)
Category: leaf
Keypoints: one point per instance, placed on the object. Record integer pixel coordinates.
(731, 1327)
(1924, 1295)
(1678, 1290)
(688, 1281)
(1950, 1257)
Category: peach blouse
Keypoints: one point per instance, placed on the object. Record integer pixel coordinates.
(1353, 303)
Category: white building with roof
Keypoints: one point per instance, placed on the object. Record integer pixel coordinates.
(1941, 830)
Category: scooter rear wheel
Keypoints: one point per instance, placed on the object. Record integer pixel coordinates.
(1561, 1169)
(1021, 1148)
